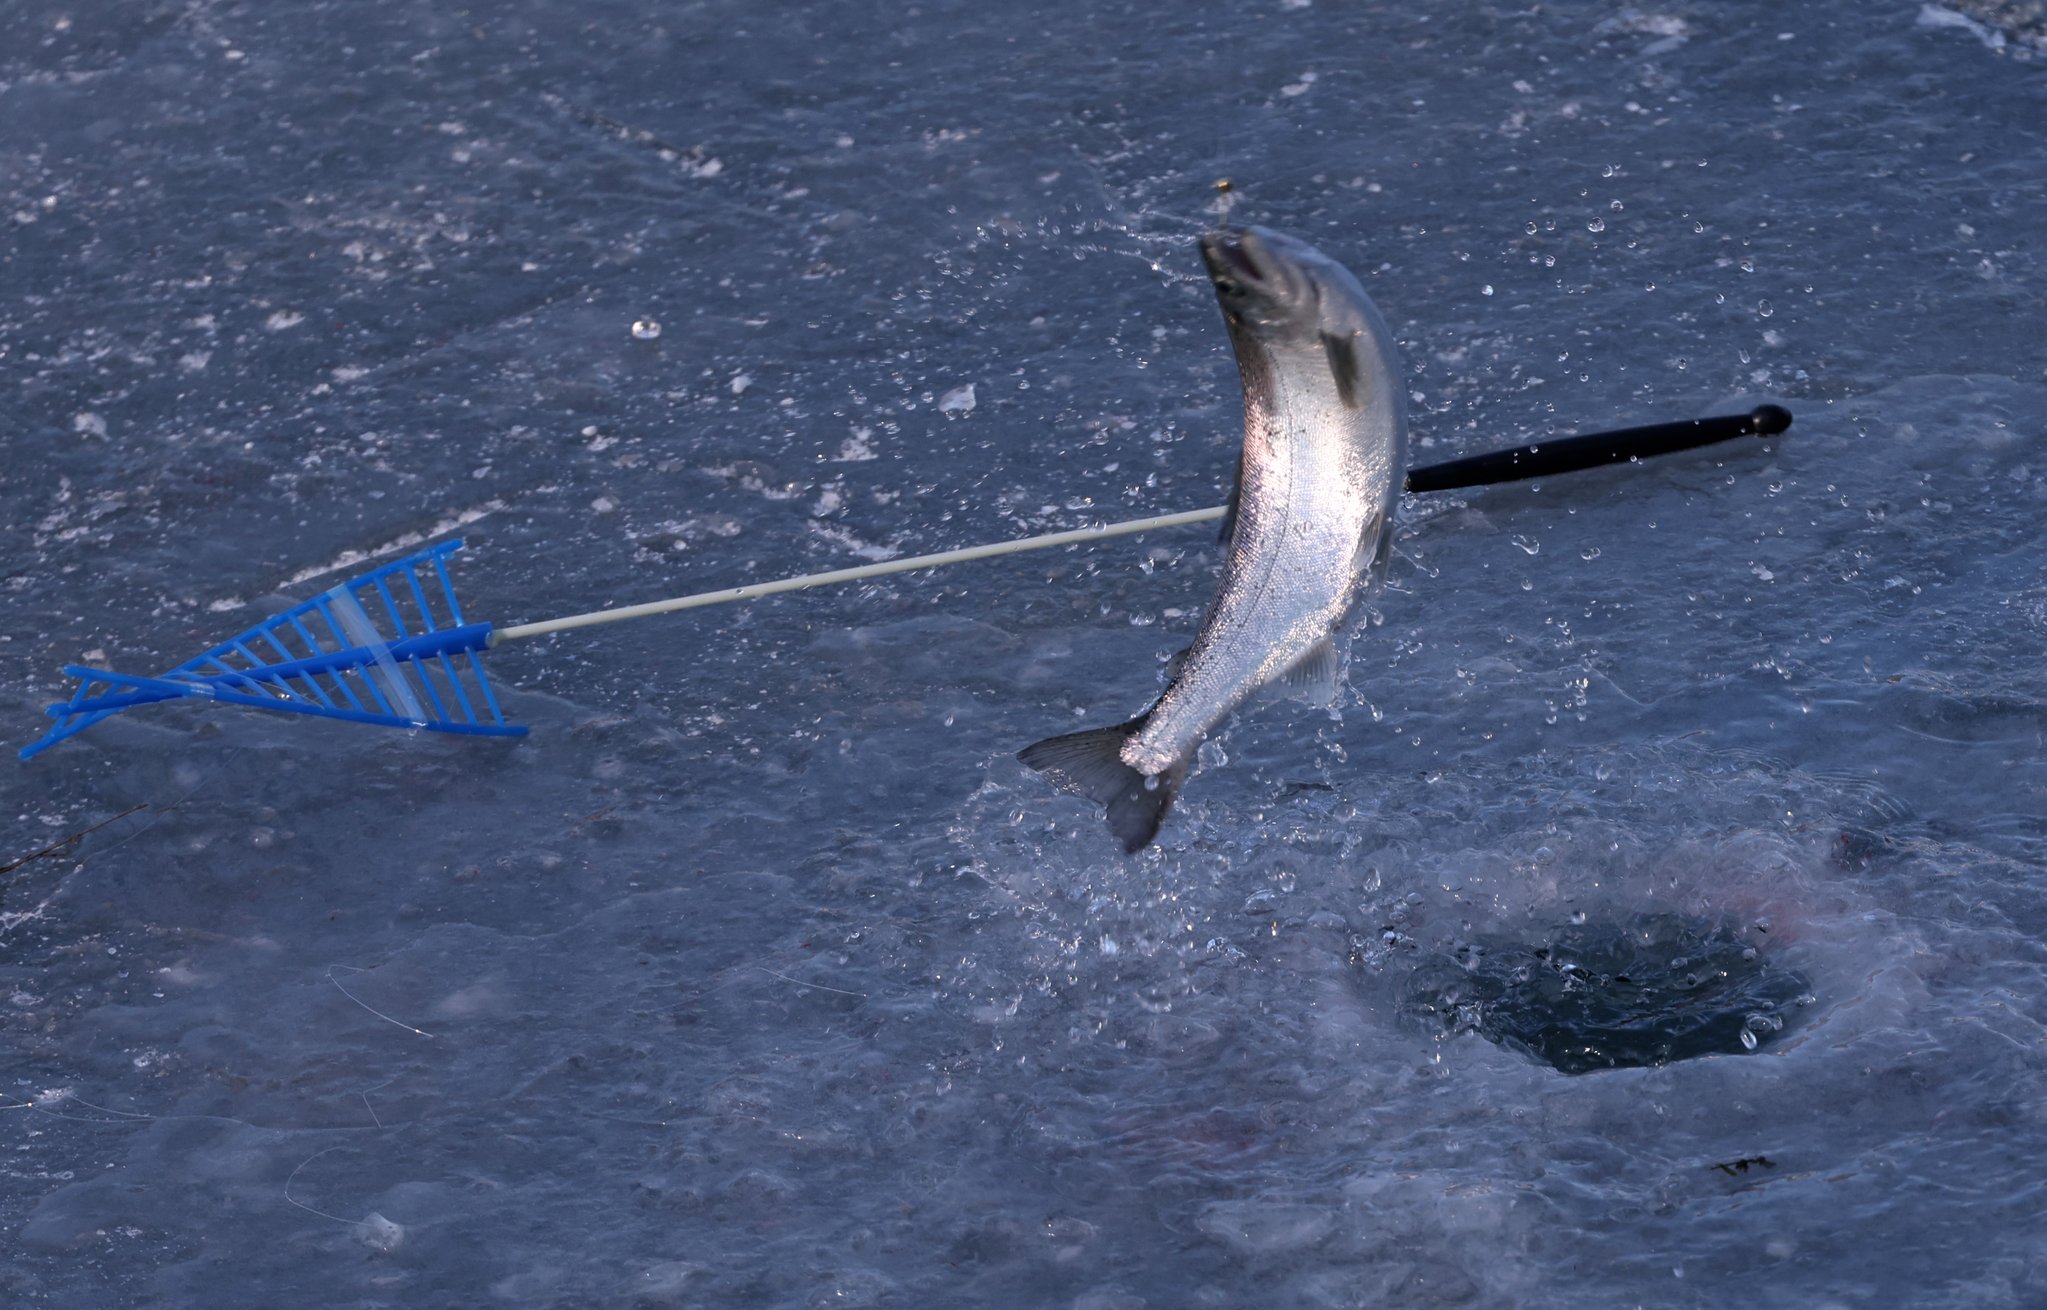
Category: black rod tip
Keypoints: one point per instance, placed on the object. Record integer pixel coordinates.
(1768, 420)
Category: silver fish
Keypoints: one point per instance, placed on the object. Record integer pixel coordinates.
(1325, 448)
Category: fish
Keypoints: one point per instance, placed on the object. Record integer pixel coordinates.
(1325, 451)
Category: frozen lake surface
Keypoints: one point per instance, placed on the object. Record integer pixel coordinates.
(761, 974)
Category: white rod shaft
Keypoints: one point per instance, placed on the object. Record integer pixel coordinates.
(759, 589)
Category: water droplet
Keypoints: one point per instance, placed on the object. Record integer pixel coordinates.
(1748, 265)
(1596, 225)
(1529, 544)
(1616, 206)
(1683, 363)
(1589, 553)
(1486, 290)
(1748, 1040)
(645, 329)
(1531, 227)
(1698, 227)
(1765, 308)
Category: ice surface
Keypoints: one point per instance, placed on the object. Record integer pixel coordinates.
(761, 974)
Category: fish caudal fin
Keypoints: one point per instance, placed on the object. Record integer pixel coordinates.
(1090, 764)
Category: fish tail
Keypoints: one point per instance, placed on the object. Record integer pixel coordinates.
(1090, 764)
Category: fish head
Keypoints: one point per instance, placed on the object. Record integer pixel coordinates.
(1270, 283)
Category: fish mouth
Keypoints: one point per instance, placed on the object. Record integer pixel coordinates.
(1232, 258)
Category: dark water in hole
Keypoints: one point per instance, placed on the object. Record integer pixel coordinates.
(1590, 996)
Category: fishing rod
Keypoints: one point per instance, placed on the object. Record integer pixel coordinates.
(1565, 455)
(391, 647)
(1569, 454)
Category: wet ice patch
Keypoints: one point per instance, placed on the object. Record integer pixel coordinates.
(404, 541)
(852, 542)
(958, 402)
(1263, 1227)
(1634, 22)
(857, 449)
(380, 1234)
(1937, 16)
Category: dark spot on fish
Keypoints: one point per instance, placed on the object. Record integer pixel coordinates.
(1343, 366)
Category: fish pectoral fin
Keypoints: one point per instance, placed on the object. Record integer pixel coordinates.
(1375, 548)
(1312, 677)
(1090, 764)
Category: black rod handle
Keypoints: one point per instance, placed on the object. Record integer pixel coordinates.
(1568, 454)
